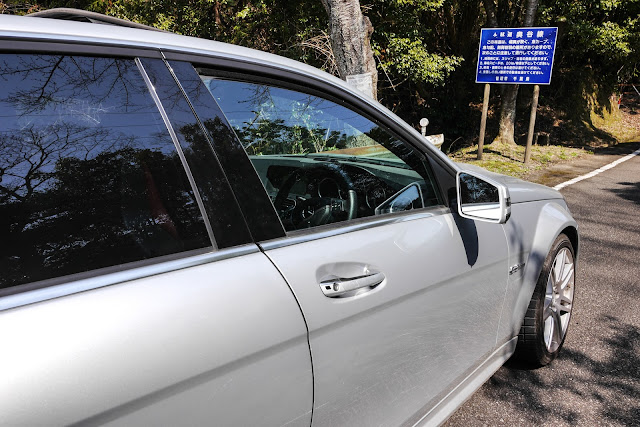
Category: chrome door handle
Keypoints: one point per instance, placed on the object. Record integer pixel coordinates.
(338, 287)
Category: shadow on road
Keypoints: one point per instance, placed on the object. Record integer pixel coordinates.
(619, 373)
(631, 192)
(611, 380)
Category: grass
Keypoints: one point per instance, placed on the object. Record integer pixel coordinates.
(622, 124)
(508, 159)
(609, 127)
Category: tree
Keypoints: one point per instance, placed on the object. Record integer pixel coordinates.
(509, 13)
(598, 49)
(351, 40)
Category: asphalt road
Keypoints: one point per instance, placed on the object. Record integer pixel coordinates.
(596, 379)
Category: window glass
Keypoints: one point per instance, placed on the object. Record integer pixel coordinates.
(90, 177)
(319, 161)
(218, 200)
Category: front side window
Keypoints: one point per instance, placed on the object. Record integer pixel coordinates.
(319, 161)
(89, 175)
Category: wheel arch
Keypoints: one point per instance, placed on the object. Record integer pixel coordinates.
(572, 234)
(553, 219)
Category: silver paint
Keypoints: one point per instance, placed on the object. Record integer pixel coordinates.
(217, 341)
(379, 356)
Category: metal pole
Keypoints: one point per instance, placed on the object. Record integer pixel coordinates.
(483, 120)
(532, 123)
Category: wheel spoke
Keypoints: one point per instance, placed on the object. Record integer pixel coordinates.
(548, 300)
(555, 273)
(565, 299)
(548, 296)
(547, 313)
(560, 260)
(557, 330)
(563, 308)
(567, 277)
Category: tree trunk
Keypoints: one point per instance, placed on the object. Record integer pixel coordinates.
(509, 92)
(216, 15)
(350, 34)
(508, 115)
(490, 9)
(530, 13)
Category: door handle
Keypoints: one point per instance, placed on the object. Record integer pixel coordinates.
(338, 287)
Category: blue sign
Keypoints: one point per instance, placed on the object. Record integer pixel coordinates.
(516, 55)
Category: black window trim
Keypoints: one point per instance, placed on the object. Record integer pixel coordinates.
(176, 144)
(257, 73)
(95, 49)
(33, 292)
(250, 226)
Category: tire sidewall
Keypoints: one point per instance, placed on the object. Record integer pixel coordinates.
(544, 355)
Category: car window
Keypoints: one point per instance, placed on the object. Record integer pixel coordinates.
(90, 176)
(319, 161)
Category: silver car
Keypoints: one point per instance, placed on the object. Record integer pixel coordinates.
(194, 233)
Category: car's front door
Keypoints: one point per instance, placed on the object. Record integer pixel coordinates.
(402, 297)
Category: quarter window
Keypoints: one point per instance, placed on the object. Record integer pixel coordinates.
(90, 176)
(319, 161)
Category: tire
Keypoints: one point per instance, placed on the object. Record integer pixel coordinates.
(547, 319)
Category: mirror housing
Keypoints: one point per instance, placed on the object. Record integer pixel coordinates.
(482, 199)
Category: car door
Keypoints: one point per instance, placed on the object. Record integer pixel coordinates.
(402, 297)
(131, 292)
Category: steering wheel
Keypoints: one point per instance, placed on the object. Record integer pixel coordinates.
(317, 210)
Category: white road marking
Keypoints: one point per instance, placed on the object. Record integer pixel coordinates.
(597, 171)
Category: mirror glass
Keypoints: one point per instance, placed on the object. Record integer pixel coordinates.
(479, 198)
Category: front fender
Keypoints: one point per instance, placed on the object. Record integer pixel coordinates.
(529, 246)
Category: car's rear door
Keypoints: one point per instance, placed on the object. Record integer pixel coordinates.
(130, 289)
(430, 285)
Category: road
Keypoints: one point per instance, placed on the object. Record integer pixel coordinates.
(596, 378)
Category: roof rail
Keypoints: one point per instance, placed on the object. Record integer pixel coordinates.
(70, 14)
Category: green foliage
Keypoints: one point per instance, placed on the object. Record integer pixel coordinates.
(600, 33)
(414, 4)
(426, 50)
(598, 48)
(411, 59)
(399, 42)
(269, 25)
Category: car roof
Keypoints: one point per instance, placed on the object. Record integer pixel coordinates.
(57, 30)
(46, 29)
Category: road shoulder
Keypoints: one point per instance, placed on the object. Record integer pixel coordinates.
(562, 172)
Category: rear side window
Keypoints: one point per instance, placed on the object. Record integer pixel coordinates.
(89, 175)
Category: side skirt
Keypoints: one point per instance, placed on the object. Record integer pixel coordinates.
(452, 401)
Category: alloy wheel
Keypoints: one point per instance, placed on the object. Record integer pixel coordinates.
(558, 301)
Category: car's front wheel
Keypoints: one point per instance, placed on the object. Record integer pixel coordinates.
(547, 319)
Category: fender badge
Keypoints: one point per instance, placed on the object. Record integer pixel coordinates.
(516, 268)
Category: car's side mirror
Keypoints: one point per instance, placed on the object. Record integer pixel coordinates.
(481, 199)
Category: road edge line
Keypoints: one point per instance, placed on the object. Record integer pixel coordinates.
(597, 171)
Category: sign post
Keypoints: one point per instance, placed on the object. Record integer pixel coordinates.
(532, 123)
(483, 120)
(515, 56)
